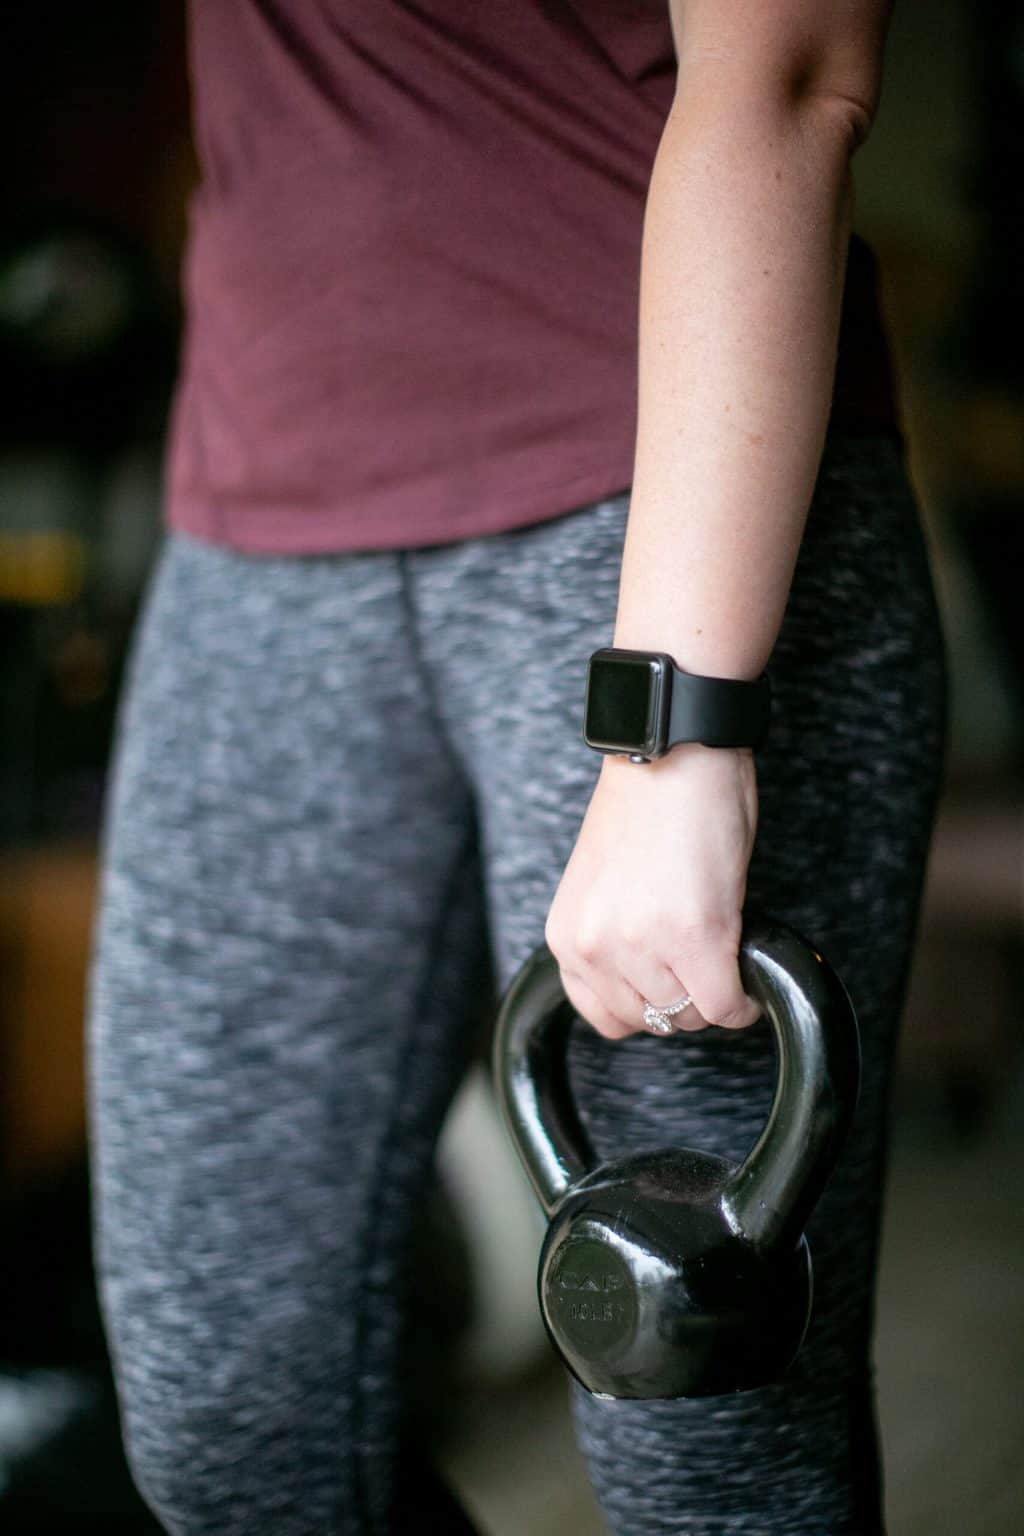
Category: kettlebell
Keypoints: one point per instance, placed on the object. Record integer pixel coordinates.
(676, 1273)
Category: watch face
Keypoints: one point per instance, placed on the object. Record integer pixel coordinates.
(623, 707)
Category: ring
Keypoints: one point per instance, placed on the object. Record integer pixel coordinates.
(659, 1020)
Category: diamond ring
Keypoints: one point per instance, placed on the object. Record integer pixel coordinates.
(659, 1020)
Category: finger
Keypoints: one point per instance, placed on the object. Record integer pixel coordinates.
(652, 981)
(592, 1009)
(622, 998)
(711, 967)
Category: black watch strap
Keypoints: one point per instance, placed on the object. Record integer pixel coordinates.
(718, 711)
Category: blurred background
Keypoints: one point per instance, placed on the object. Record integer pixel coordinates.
(97, 171)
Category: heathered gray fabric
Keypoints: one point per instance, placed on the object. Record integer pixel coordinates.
(340, 781)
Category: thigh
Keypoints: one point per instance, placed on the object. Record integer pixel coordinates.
(848, 782)
(287, 957)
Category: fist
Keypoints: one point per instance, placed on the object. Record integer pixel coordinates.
(650, 905)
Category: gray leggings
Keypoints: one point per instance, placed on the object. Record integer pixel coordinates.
(345, 787)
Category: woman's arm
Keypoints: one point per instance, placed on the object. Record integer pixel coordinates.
(743, 264)
(744, 258)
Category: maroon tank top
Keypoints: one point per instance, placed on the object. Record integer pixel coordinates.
(412, 276)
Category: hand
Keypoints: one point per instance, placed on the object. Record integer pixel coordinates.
(650, 903)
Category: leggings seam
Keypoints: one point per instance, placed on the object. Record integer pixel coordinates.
(421, 664)
(369, 1252)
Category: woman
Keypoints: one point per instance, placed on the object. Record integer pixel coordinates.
(420, 471)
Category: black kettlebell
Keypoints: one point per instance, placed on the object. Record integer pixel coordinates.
(676, 1273)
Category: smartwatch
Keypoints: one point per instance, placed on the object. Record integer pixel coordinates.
(639, 704)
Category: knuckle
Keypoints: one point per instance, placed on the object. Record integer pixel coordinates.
(718, 924)
(707, 960)
(696, 937)
(723, 929)
(635, 937)
(588, 945)
(575, 946)
(553, 937)
(686, 927)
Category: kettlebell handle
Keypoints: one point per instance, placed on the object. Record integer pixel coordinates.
(771, 1195)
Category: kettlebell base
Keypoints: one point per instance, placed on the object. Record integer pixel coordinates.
(629, 1393)
(647, 1293)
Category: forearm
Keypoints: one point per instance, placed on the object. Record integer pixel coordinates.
(743, 262)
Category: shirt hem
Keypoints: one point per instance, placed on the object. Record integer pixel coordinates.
(272, 528)
(269, 528)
